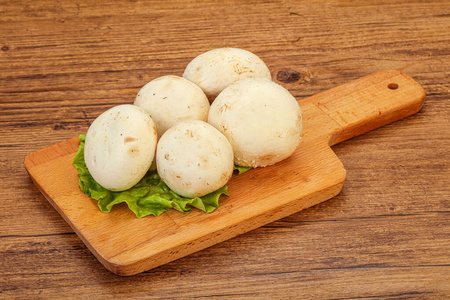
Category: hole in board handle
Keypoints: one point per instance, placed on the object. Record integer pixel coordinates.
(393, 86)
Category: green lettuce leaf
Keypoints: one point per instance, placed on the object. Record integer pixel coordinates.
(150, 196)
(241, 170)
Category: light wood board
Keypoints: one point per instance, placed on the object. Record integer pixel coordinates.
(126, 245)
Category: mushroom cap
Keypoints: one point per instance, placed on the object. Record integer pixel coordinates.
(120, 146)
(194, 159)
(170, 100)
(260, 118)
(216, 69)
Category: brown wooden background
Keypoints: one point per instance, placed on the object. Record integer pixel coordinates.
(387, 235)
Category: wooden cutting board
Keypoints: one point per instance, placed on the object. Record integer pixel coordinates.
(126, 245)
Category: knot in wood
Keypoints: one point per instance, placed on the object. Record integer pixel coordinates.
(288, 76)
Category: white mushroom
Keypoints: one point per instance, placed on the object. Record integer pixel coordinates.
(172, 99)
(194, 159)
(260, 118)
(216, 69)
(120, 146)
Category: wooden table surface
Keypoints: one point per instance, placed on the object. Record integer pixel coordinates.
(386, 235)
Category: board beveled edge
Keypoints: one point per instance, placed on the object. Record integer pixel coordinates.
(59, 149)
(126, 268)
(29, 163)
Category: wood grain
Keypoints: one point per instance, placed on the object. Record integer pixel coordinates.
(384, 236)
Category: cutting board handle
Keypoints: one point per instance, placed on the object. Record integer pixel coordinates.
(369, 102)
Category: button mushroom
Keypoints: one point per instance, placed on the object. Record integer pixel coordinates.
(120, 146)
(194, 159)
(216, 69)
(172, 99)
(260, 118)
